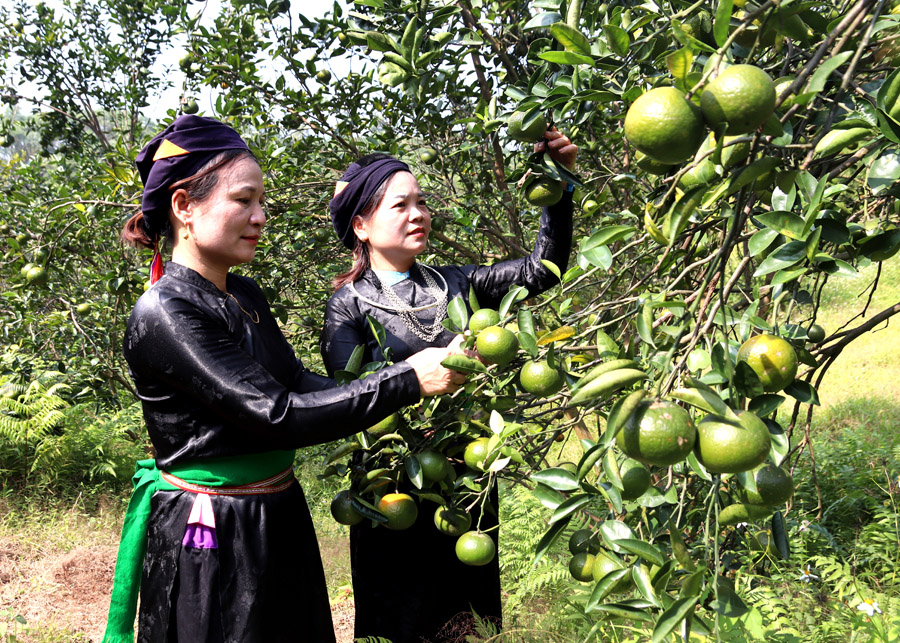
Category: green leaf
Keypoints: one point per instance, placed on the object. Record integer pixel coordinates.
(765, 404)
(528, 343)
(549, 538)
(589, 459)
(614, 530)
(779, 535)
(552, 267)
(645, 550)
(722, 21)
(543, 20)
(783, 257)
(458, 313)
(566, 58)
(550, 498)
(787, 276)
(515, 295)
(570, 506)
(473, 300)
(556, 478)
(820, 77)
(641, 579)
(526, 321)
(355, 361)
(727, 602)
(608, 235)
(790, 225)
(761, 240)
(881, 246)
(679, 63)
(884, 171)
(617, 39)
(746, 381)
(611, 469)
(803, 391)
(414, 471)
(572, 39)
(672, 617)
(605, 587)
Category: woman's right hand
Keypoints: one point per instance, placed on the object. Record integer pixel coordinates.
(435, 379)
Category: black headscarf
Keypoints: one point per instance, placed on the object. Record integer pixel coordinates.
(354, 190)
(177, 153)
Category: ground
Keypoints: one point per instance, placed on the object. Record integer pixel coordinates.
(68, 591)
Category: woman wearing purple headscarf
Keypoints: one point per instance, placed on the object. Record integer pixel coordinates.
(380, 214)
(218, 537)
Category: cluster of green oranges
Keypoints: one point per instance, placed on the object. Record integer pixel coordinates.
(529, 127)
(668, 128)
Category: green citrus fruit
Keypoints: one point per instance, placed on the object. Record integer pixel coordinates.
(589, 206)
(190, 107)
(482, 318)
(400, 510)
(740, 98)
(658, 432)
(781, 87)
(583, 540)
(543, 192)
(342, 509)
(23, 271)
(527, 131)
(322, 235)
(428, 155)
(475, 452)
(434, 465)
(603, 565)
(581, 566)
(773, 359)
(452, 521)
(36, 276)
(323, 76)
(390, 424)
(635, 479)
(664, 125)
(726, 446)
(497, 345)
(742, 512)
(774, 485)
(539, 378)
(475, 548)
(650, 166)
(83, 309)
(815, 333)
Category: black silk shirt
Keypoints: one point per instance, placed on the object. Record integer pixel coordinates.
(389, 601)
(213, 383)
(216, 378)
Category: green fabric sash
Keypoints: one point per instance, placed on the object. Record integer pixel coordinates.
(218, 472)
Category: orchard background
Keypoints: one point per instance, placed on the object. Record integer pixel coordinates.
(670, 273)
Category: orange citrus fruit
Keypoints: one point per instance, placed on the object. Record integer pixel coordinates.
(497, 345)
(342, 510)
(658, 432)
(475, 452)
(664, 125)
(482, 318)
(539, 378)
(581, 566)
(726, 446)
(773, 359)
(740, 98)
(475, 548)
(400, 510)
(452, 521)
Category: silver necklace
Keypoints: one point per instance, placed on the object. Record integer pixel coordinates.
(406, 312)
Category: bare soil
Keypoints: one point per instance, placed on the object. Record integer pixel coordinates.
(64, 596)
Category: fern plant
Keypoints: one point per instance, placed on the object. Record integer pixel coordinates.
(28, 414)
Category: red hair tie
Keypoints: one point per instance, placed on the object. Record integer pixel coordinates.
(156, 265)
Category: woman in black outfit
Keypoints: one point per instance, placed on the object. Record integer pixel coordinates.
(380, 214)
(217, 523)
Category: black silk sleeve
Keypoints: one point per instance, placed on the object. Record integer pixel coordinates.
(553, 243)
(188, 354)
(342, 334)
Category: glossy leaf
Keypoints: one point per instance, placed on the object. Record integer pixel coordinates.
(572, 39)
(570, 506)
(550, 537)
(556, 478)
(617, 39)
(672, 617)
(645, 550)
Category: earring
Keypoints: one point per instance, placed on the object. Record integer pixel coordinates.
(185, 234)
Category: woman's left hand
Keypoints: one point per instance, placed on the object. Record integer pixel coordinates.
(561, 149)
